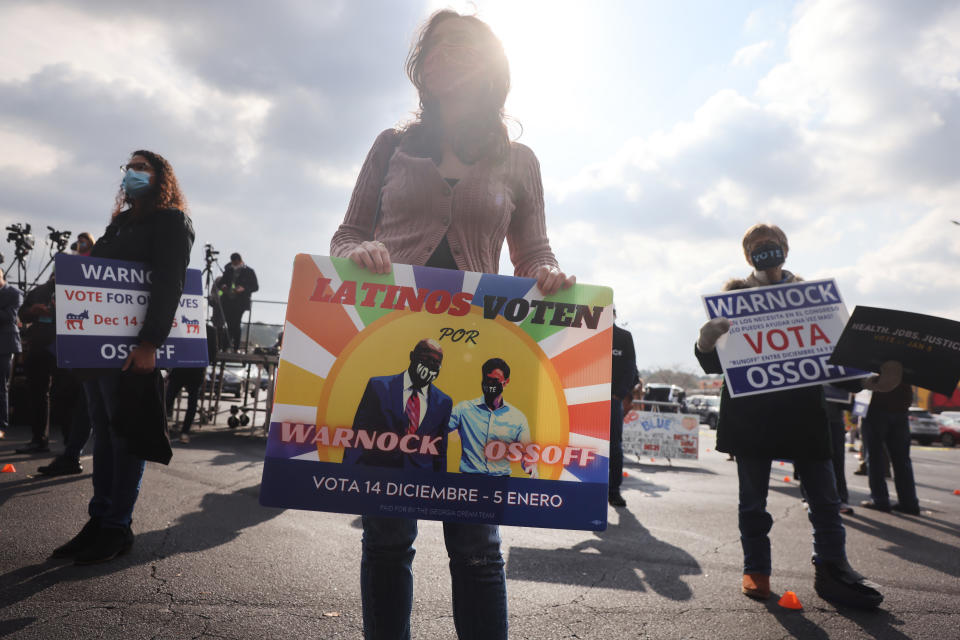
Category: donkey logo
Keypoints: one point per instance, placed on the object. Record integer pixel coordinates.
(75, 320)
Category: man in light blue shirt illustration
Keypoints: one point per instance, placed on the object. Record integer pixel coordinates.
(490, 418)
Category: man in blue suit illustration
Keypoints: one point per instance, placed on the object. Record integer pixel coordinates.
(406, 415)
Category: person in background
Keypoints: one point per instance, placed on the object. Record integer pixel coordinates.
(886, 426)
(785, 424)
(38, 313)
(624, 379)
(83, 245)
(11, 298)
(237, 284)
(445, 191)
(190, 379)
(148, 225)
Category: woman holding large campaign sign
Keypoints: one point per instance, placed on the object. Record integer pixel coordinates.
(148, 225)
(785, 424)
(445, 191)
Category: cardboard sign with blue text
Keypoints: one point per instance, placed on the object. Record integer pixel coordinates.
(781, 336)
(441, 394)
(101, 305)
(652, 434)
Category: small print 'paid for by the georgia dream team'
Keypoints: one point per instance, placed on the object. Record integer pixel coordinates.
(440, 394)
(781, 336)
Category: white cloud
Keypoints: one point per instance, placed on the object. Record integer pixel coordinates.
(748, 55)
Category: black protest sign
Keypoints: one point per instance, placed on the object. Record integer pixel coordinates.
(928, 347)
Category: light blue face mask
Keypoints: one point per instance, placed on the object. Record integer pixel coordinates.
(136, 183)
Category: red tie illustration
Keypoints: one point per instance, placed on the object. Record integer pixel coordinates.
(413, 412)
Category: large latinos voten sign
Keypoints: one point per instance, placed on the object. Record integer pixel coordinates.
(101, 305)
(661, 435)
(342, 437)
(781, 336)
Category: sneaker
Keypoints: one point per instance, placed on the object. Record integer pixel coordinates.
(616, 500)
(756, 586)
(911, 511)
(34, 447)
(110, 543)
(184, 438)
(870, 504)
(846, 509)
(61, 466)
(79, 542)
(838, 583)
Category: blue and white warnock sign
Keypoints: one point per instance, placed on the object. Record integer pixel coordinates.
(101, 305)
(781, 336)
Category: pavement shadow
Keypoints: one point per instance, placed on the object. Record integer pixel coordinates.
(648, 467)
(910, 546)
(614, 559)
(38, 482)
(220, 518)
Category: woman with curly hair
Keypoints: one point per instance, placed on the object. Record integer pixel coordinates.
(148, 225)
(446, 191)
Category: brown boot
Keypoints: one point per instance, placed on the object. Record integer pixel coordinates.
(756, 586)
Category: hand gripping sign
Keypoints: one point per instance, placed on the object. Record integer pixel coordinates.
(440, 394)
(780, 336)
(101, 305)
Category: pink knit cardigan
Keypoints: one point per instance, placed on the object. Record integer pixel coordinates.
(495, 200)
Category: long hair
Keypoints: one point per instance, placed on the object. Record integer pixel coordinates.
(164, 194)
(484, 134)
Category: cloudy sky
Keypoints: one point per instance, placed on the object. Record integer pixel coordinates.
(663, 130)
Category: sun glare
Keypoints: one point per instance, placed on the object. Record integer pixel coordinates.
(545, 44)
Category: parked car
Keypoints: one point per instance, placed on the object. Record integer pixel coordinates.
(923, 427)
(674, 398)
(709, 410)
(949, 427)
(231, 383)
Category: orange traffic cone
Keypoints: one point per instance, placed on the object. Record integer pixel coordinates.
(8, 468)
(956, 492)
(652, 459)
(790, 601)
(625, 474)
(781, 464)
(786, 478)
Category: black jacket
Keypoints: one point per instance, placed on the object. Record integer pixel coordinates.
(163, 240)
(625, 375)
(789, 424)
(242, 276)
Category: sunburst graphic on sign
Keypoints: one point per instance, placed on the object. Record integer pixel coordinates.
(559, 378)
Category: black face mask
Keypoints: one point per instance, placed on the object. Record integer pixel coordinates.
(491, 388)
(767, 256)
(423, 372)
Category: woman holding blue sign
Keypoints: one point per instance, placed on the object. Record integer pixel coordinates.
(787, 424)
(125, 404)
(446, 191)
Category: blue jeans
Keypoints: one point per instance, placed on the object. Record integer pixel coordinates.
(893, 430)
(817, 479)
(476, 573)
(79, 429)
(116, 473)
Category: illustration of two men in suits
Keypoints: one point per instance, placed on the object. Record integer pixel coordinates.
(404, 404)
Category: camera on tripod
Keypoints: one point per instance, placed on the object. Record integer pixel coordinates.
(22, 239)
(209, 254)
(59, 238)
